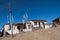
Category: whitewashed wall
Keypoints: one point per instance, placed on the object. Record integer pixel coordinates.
(34, 24)
(41, 24)
(6, 27)
(27, 29)
(48, 26)
(45, 22)
(15, 30)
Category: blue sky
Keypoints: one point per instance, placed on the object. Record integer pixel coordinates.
(36, 9)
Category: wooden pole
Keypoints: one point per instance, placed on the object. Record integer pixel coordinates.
(10, 12)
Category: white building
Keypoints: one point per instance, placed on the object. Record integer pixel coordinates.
(38, 23)
(17, 28)
(47, 26)
(7, 28)
(26, 27)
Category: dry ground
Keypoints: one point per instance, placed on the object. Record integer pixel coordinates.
(41, 34)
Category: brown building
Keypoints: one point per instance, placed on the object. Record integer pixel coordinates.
(56, 21)
(20, 26)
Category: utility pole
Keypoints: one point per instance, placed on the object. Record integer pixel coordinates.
(10, 12)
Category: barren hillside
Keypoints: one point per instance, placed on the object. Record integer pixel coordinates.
(41, 34)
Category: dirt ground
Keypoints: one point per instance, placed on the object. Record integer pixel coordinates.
(41, 34)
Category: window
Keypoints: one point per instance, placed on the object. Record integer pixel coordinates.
(24, 27)
(29, 27)
(35, 23)
(18, 27)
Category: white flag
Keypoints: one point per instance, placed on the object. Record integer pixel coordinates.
(7, 19)
(26, 15)
(12, 19)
